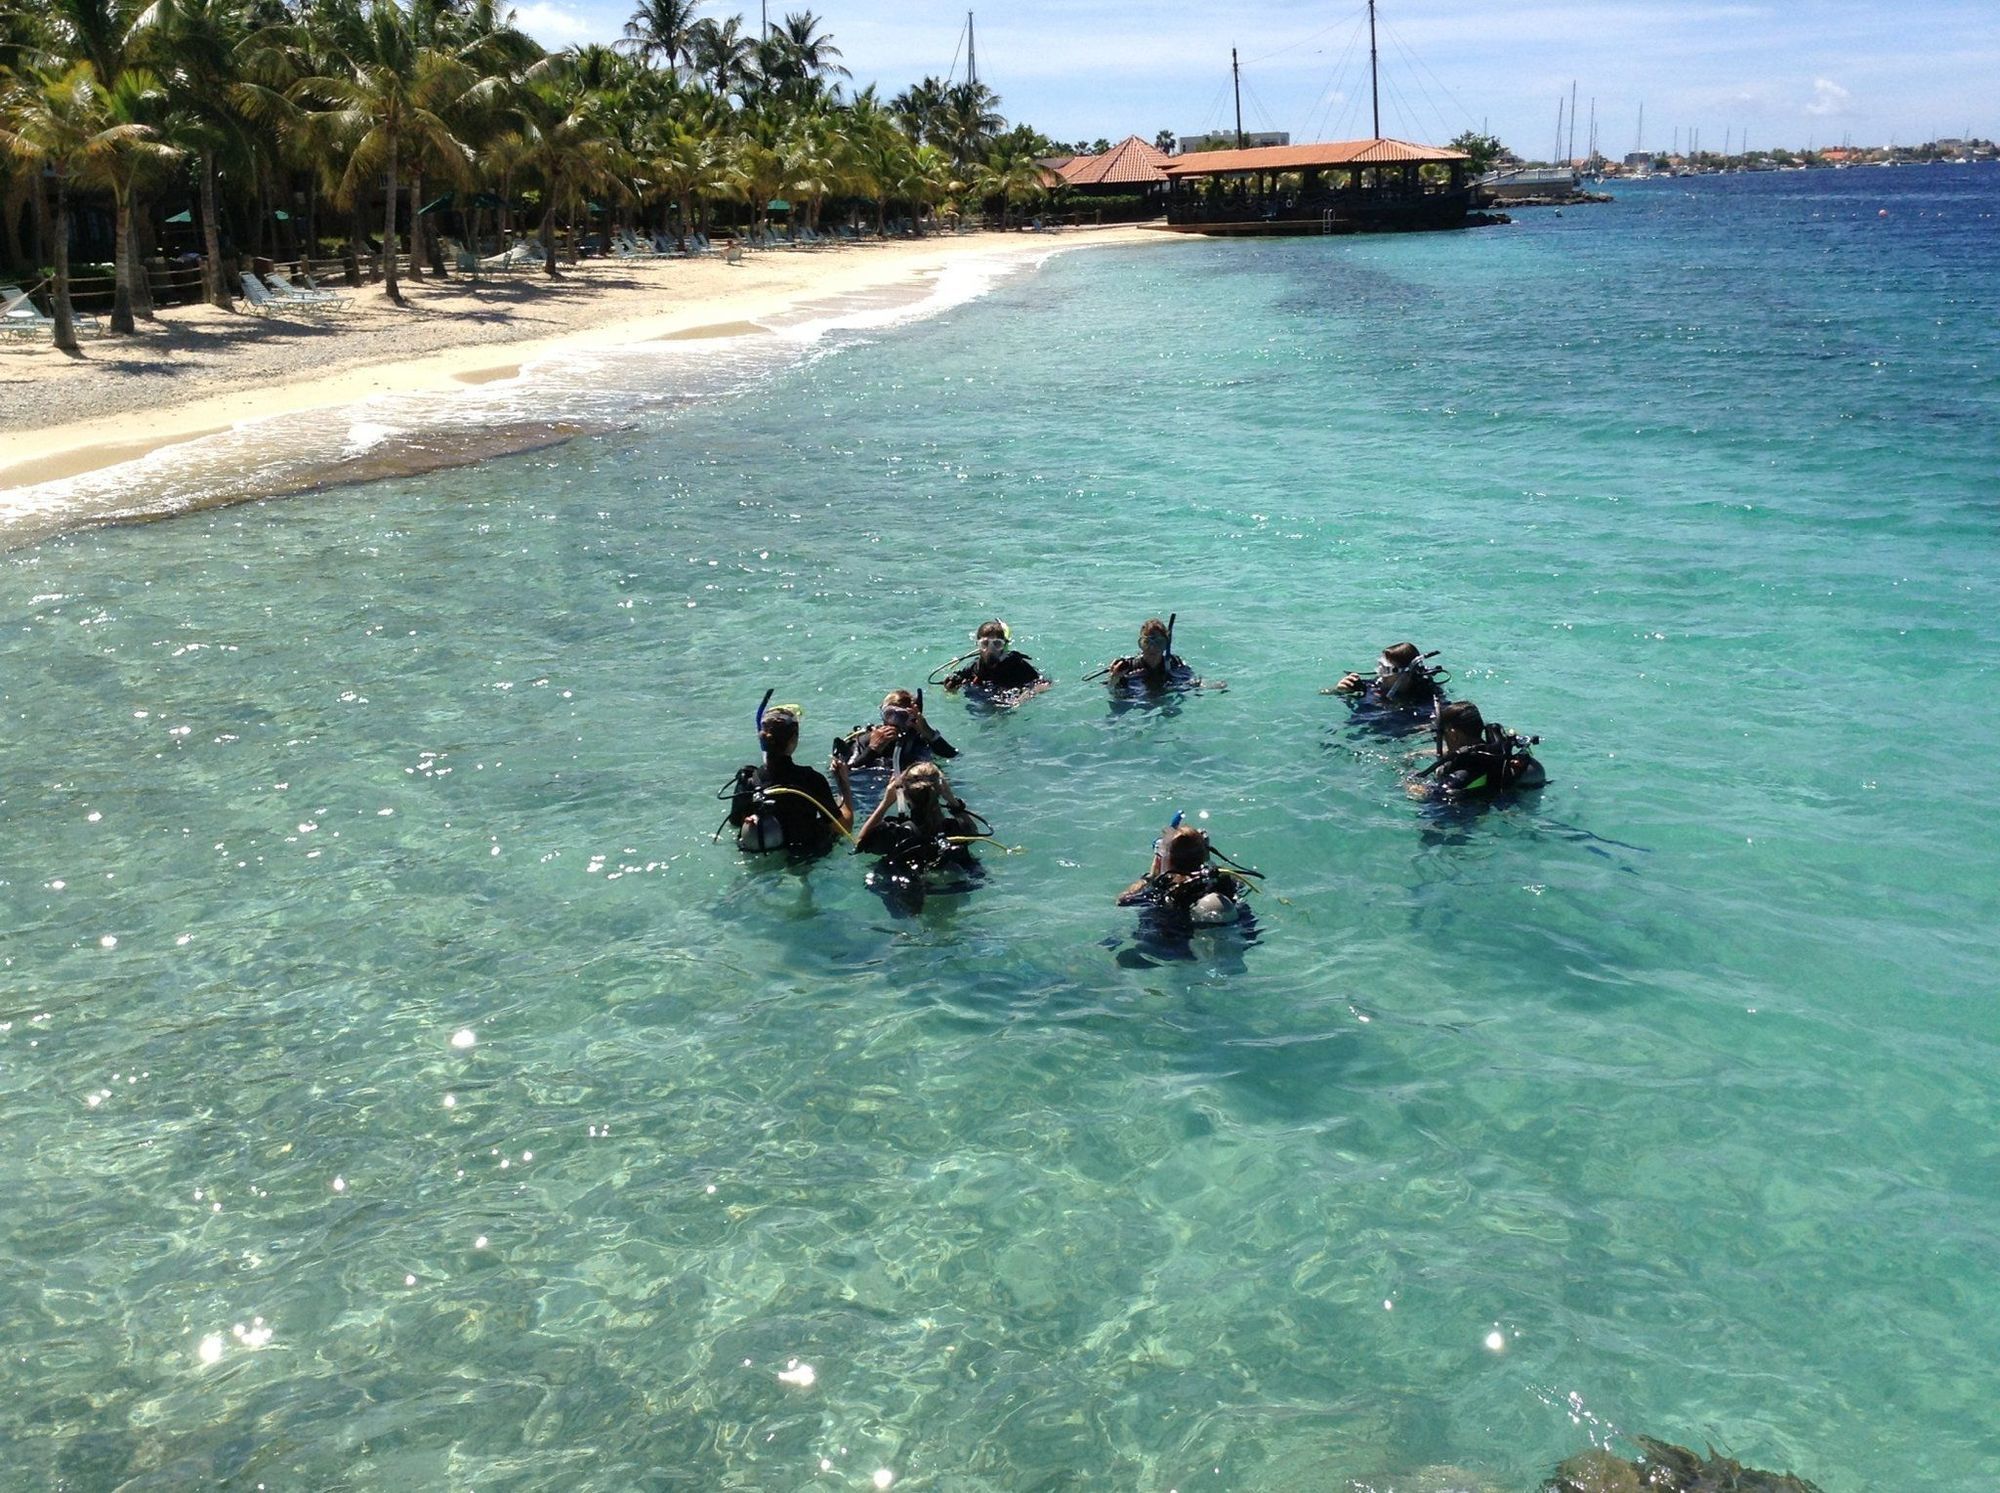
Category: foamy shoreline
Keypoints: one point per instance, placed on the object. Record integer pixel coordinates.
(128, 398)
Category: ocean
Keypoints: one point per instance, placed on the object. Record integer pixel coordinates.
(403, 1091)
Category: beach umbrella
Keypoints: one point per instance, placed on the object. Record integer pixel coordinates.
(431, 207)
(778, 205)
(185, 215)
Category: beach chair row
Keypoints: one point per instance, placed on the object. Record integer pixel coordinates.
(271, 293)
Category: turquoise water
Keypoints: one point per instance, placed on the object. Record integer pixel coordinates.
(402, 1092)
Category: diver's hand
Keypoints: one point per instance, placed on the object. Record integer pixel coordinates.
(894, 786)
(1349, 683)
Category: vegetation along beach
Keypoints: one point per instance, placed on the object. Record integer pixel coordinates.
(719, 769)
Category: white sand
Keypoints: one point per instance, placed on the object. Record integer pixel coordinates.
(197, 370)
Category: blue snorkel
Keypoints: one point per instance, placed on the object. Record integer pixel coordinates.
(760, 709)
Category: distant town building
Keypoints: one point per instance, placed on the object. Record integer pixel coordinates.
(1226, 140)
(1639, 160)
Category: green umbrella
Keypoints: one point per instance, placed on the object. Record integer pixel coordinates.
(778, 205)
(185, 215)
(444, 201)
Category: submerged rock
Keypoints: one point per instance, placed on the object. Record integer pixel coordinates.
(1665, 1468)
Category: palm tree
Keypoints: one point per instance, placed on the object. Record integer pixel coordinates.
(662, 28)
(757, 173)
(968, 118)
(58, 119)
(563, 136)
(810, 50)
(723, 55)
(194, 46)
(684, 165)
(387, 102)
(136, 100)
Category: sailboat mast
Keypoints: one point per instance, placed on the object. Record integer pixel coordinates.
(1236, 78)
(1572, 124)
(971, 52)
(1374, 73)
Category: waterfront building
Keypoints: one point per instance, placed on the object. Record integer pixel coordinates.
(1344, 186)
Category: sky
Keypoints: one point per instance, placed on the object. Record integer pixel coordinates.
(1816, 72)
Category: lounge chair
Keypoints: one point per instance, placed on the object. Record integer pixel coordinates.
(288, 294)
(257, 298)
(515, 256)
(22, 318)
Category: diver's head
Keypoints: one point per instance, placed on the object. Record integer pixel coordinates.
(993, 638)
(1396, 659)
(897, 707)
(778, 731)
(1183, 848)
(924, 794)
(1153, 639)
(1459, 724)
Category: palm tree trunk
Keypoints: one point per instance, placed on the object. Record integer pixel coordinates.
(549, 232)
(141, 240)
(11, 203)
(389, 233)
(65, 323)
(121, 260)
(417, 226)
(216, 288)
(687, 212)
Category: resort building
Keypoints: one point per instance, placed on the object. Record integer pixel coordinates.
(1344, 186)
(1128, 174)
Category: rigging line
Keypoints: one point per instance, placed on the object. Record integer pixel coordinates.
(957, 46)
(1258, 104)
(1334, 93)
(1295, 45)
(1465, 111)
(1425, 92)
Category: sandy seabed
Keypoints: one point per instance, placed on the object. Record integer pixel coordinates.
(197, 371)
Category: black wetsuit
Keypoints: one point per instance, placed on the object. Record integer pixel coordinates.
(907, 848)
(808, 829)
(912, 747)
(1009, 673)
(1485, 767)
(1176, 892)
(1133, 671)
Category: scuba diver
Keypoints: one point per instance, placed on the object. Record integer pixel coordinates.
(1476, 760)
(1155, 666)
(928, 844)
(1404, 688)
(779, 805)
(996, 674)
(903, 738)
(1184, 890)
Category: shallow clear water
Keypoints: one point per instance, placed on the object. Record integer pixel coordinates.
(1680, 1080)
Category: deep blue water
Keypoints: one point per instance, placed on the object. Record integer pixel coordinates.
(403, 1092)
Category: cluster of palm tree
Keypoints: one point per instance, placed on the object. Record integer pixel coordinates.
(276, 110)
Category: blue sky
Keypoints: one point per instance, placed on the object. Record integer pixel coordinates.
(1813, 72)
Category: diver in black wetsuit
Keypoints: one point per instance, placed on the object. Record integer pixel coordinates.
(1155, 666)
(1474, 760)
(1183, 888)
(932, 836)
(1404, 685)
(903, 736)
(779, 805)
(996, 674)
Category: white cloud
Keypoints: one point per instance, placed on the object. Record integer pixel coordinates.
(555, 25)
(1829, 99)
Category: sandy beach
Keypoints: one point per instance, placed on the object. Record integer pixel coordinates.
(198, 371)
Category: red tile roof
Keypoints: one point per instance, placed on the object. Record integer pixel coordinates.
(1383, 152)
(1131, 160)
